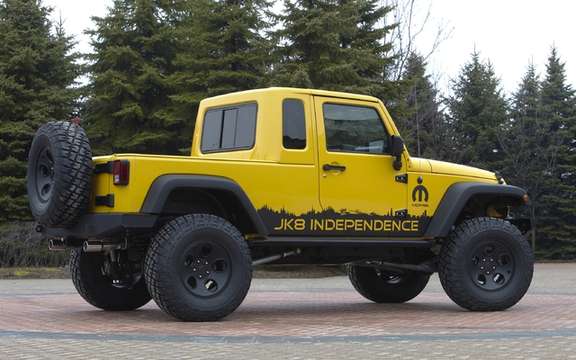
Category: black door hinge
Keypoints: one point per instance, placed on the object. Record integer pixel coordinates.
(402, 178)
(401, 213)
(103, 168)
(104, 200)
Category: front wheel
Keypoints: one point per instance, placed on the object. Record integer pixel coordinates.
(486, 265)
(383, 286)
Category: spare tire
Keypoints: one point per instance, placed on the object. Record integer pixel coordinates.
(59, 174)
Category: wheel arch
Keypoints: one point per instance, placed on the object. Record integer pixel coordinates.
(182, 194)
(465, 195)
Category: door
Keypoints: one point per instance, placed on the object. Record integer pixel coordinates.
(360, 194)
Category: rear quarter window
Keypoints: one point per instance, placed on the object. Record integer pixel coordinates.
(229, 128)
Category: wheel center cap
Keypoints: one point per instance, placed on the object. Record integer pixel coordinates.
(201, 268)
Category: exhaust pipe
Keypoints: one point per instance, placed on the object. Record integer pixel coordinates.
(428, 267)
(272, 258)
(56, 245)
(98, 246)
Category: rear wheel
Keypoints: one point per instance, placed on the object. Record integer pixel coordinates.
(486, 265)
(92, 278)
(198, 268)
(383, 286)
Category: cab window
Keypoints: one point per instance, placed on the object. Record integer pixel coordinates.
(356, 129)
(293, 124)
(229, 128)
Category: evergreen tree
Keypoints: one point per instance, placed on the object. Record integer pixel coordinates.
(558, 218)
(334, 45)
(129, 88)
(478, 111)
(526, 143)
(422, 124)
(37, 70)
(221, 49)
(524, 134)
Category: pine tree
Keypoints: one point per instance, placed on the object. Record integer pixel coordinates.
(37, 70)
(221, 49)
(524, 136)
(525, 141)
(422, 125)
(334, 45)
(558, 218)
(237, 52)
(478, 111)
(129, 88)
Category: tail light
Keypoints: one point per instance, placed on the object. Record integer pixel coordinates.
(121, 172)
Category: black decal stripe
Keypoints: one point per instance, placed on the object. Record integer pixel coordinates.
(331, 223)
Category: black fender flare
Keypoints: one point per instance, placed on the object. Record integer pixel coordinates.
(164, 185)
(458, 195)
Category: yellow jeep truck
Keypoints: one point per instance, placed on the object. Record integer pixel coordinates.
(276, 176)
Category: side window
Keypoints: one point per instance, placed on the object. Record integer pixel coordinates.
(354, 129)
(293, 124)
(230, 128)
(212, 130)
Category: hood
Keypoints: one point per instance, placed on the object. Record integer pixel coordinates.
(446, 168)
(442, 167)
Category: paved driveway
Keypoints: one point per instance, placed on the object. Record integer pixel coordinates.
(296, 319)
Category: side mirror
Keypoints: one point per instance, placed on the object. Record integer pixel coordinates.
(396, 149)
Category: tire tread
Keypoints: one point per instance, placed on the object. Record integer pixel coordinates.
(155, 272)
(73, 161)
(451, 276)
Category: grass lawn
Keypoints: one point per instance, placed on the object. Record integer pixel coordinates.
(34, 273)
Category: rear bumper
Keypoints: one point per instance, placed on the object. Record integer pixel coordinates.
(102, 226)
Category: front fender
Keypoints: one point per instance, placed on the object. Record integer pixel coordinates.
(458, 195)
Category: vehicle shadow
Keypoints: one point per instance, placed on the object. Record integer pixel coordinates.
(304, 313)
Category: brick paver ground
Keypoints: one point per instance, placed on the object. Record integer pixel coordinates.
(297, 319)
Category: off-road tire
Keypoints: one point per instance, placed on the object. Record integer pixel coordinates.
(457, 257)
(97, 289)
(167, 268)
(384, 287)
(59, 173)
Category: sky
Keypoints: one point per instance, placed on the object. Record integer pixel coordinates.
(509, 33)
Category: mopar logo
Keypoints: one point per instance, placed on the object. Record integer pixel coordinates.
(420, 193)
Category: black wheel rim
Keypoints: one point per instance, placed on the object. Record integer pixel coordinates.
(44, 178)
(491, 266)
(205, 267)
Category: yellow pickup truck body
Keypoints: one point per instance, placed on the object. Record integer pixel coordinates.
(289, 188)
(276, 176)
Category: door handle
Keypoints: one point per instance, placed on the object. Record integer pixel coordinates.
(333, 167)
